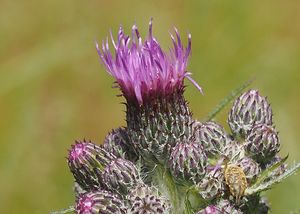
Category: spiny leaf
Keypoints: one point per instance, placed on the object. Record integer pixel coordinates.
(227, 100)
(268, 184)
(68, 210)
(188, 206)
(267, 172)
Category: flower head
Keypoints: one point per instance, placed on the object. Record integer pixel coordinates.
(248, 110)
(142, 69)
(212, 136)
(120, 175)
(100, 201)
(147, 200)
(85, 161)
(188, 161)
(263, 143)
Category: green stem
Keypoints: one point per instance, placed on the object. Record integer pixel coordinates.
(167, 185)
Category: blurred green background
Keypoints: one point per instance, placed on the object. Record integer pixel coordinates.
(53, 89)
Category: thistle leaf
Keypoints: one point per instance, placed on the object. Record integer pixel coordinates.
(267, 172)
(192, 200)
(227, 100)
(71, 209)
(267, 185)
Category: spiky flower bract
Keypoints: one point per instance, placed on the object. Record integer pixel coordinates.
(250, 168)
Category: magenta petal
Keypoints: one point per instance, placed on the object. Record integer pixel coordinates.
(142, 69)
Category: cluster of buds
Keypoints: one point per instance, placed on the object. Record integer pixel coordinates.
(164, 161)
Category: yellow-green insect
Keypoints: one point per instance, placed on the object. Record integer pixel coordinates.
(236, 180)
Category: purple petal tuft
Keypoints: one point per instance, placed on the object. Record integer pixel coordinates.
(142, 69)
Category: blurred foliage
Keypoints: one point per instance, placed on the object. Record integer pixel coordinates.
(53, 89)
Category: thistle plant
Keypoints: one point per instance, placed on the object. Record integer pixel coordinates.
(164, 160)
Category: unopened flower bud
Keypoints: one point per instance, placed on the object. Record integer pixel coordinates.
(250, 168)
(247, 111)
(117, 143)
(188, 161)
(262, 143)
(212, 185)
(222, 207)
(147, 200)
(212, 137)
(120, 175)
(86, 160)
(211, 209)
(100, 202)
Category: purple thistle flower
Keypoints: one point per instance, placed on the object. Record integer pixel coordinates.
(142, 69)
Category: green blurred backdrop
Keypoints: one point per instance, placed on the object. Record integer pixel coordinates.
(53, 89)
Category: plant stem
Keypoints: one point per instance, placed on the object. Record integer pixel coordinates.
(165, 182)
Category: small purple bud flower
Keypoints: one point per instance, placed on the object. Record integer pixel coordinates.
(222, 207)
(147, 200)
(226, 207)
(212, 137)
(142, 69)
(114, 143)
(233, 151)
(120, 175)
(211, 209)
(262, 143)
(117, 142)
(212, 185)
(250, 168)
(248, 110)
(86, 160)
(100, 202)
(188, 161)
